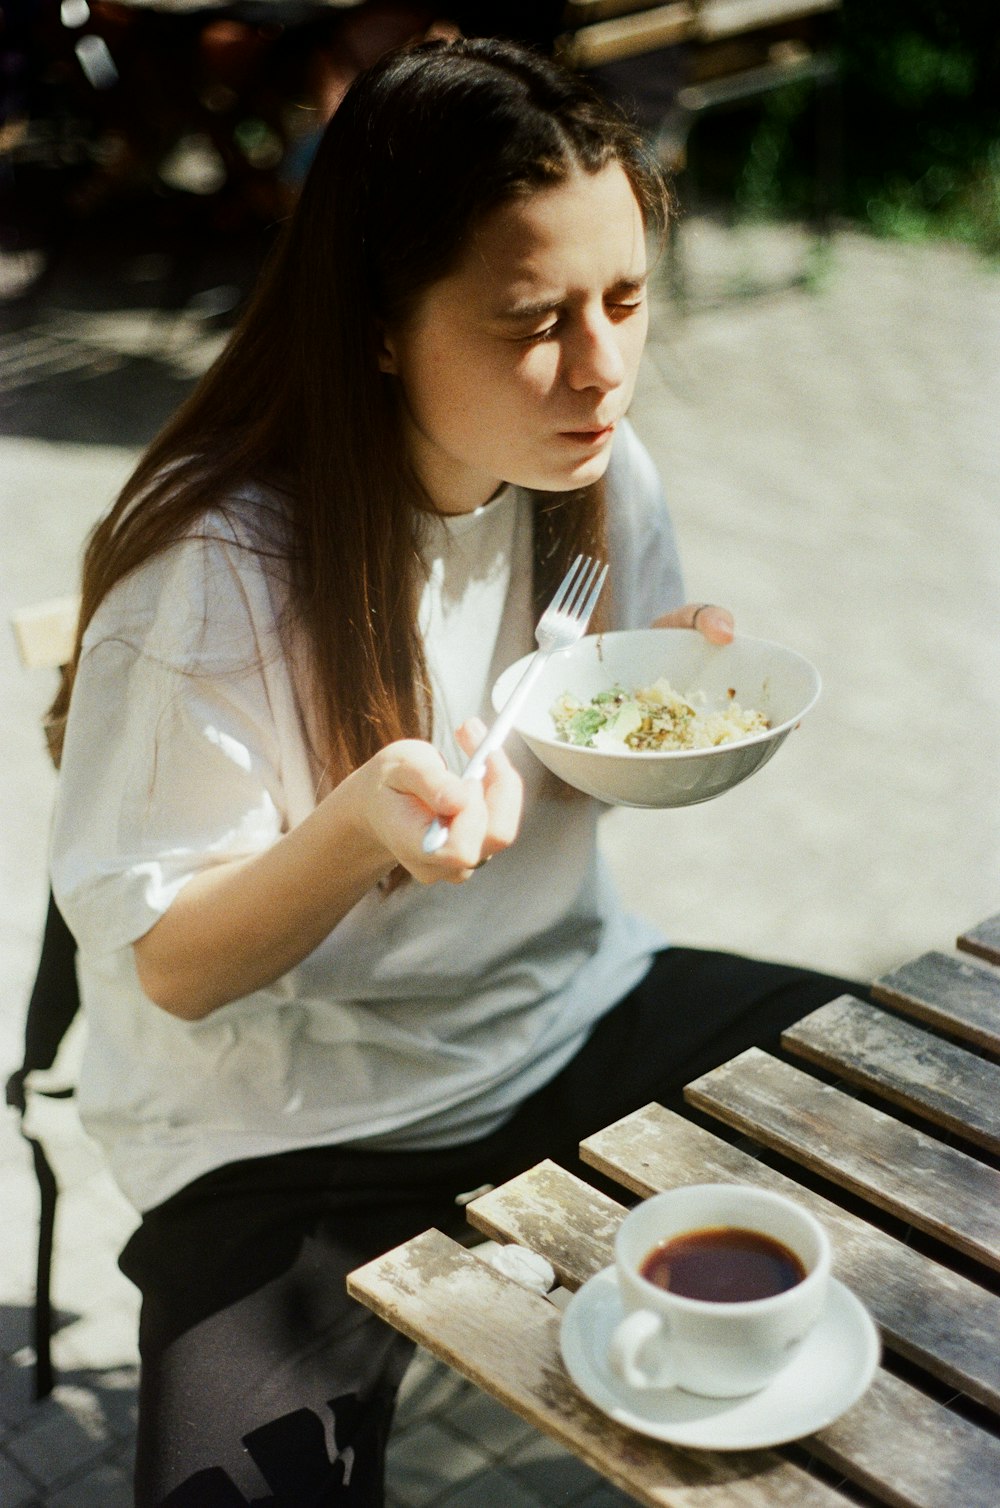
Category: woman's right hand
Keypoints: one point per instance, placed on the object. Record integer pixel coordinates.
(237, 927)
(407, 784)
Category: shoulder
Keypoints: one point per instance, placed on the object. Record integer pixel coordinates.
(202, 595)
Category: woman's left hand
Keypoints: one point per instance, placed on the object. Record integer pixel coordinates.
(716, 623)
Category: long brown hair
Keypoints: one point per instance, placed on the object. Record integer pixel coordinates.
(424, 143)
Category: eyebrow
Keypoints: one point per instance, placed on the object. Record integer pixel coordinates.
(539, 307)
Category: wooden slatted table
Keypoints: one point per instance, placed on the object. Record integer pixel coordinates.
(888, 1129)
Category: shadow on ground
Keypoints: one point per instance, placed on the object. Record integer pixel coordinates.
(104, 342)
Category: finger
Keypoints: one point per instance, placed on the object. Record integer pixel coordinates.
(410, 785)
(714, 622)
(503, 789)
(417, 770)
(466, 846)
(460, 805)
(470, 735)
(420, 788)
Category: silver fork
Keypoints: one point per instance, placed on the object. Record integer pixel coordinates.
(563, 622)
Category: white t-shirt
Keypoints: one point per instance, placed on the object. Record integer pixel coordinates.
(427, 1014)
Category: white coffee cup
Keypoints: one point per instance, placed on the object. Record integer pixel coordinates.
(721, 1349)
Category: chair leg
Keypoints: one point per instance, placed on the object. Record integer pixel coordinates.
(48, 1192)
(829, 153)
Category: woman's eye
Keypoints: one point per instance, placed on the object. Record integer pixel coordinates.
(617, 309)
(537, 336)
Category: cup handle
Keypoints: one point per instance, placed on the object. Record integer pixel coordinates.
(642, 1331)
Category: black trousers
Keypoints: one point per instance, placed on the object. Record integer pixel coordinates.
(261, 1381)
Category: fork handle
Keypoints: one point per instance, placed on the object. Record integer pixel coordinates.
(436, 835)
(476, 768)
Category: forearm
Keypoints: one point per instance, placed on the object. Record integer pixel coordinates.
(238, 927)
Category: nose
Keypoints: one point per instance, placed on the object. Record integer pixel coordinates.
(593, 357)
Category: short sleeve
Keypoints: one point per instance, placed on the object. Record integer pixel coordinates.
(171, 762)
(646, 574)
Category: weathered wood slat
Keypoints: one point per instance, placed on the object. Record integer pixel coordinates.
(506, 1340)
(555, 1213)
(911, 1451)
(908, 1065)
(897, 1443)
(948, 992)
(983, 941)
(935, 1187)
(944, 1322)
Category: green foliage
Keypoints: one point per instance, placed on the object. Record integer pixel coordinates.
(922, 118)
(920, 109)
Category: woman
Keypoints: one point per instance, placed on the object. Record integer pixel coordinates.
(303, 1047)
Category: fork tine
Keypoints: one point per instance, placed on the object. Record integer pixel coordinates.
(567, 584)
(574, 608)
(591, 602)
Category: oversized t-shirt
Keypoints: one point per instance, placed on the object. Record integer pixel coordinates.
(428, 1013)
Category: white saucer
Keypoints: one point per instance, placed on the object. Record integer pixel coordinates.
(833, 1367)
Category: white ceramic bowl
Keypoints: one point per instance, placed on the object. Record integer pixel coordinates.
(766, 677)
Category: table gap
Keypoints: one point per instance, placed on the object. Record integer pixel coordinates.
(799, 1454)
(941, 1392)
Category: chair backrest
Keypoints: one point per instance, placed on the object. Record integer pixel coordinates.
(45, 635)
(45, 632)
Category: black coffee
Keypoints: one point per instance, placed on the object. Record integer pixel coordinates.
(723, 1264)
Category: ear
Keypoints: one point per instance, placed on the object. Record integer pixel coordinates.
(385, 352)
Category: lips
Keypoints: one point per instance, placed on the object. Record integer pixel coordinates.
(588, 436)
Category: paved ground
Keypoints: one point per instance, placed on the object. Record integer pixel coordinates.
(831, 457)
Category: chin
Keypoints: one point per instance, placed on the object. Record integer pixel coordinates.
(567, 479)
(590, 471)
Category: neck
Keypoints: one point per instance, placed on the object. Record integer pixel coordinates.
(452, 487)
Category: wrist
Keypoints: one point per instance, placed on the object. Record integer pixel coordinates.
(350, 806)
